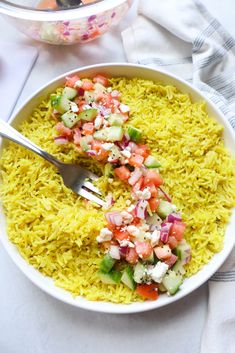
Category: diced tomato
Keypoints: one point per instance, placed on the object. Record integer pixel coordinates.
(101, 79)
(88, 128)
(132, 256)
(152, 189)
(122, 173)
(177, 230)
(47, 4)
(96, 145)
(77, 138)
(172, 242)
(63, 130)
(153, 203)
(121, 234)
(171, 260)
(137, 186)
(142, 150)
(148, 291)
(87, 85)
(143, 249)
(102, 155)
(163, 253)
(136, 160)
(70, 81)
(153, 177)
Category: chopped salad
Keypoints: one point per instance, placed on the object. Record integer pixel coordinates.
(144, 243)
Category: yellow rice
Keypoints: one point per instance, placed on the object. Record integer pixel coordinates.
(55, 230)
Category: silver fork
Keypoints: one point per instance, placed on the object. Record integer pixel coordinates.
(74, 176)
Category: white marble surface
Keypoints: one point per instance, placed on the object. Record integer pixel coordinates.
(33, 322)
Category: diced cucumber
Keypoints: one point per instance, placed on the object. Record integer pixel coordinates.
(107, 263)
(69, 92)
(178, 253)
(150, 259)
(84, 144)
(183, 251)
(154, 219)
(88, 114)
(164, 209)
(60, 103)
(89, 96)
(70, 119)
(116, 120)
(112, 277)
(161, 288)
(140, 273)
(127, 278)
(134, 133)
(151, 162)
(172, 281)
(110, 134)
(179, 268)
(99, 88)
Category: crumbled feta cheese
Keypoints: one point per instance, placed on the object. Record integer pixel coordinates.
(74, 107)
(174, 207)
(78, 83)
(86, 106)
(124, 108)
(110, 180)
(155, 237)
(158, 271)
(144, 227)
(133, 230)
(107, 146)
(126, 242)
(126, 153)
(105, 235)
(127, 217)
(114, 252)
(98, 122)
(109, 89)
(143, 195)
(128, 148)
(131, 208)
(128, 202)
(105, 123)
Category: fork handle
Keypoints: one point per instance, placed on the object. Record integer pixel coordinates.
(7, 131)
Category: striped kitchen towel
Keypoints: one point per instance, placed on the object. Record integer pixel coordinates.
(183, 38)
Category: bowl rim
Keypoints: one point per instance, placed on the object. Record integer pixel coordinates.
(40, 15)
(106, 307)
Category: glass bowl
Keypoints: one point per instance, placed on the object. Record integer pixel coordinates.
(52, 25)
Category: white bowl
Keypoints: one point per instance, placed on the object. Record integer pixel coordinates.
(189, 284)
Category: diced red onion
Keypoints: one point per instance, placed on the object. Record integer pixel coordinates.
(132, 146)
(135, 176)
(164, 232)
(141, 209)
(174, 217)
(109, 201)
(61, 140)
(91, 153)
(186, 259)
(80, 91)
(114, 218)
(123, 250)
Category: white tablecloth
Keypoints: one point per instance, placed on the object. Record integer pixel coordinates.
(33, 322)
